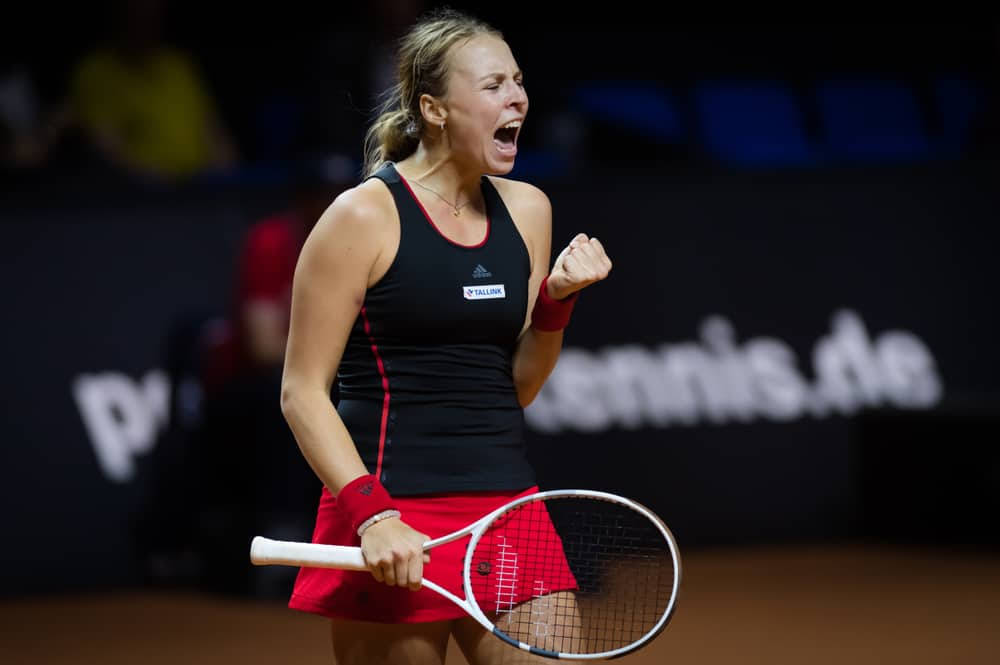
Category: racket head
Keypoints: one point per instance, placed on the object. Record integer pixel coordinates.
(575, 573)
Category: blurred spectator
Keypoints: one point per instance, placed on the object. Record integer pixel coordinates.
(254, 338)
(261, 482)
(145, 106)
(28, 131)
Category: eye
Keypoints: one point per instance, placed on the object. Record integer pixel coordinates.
(493, 86)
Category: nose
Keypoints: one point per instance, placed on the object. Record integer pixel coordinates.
(518, 97)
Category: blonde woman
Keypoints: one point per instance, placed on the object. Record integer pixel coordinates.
(427, 291)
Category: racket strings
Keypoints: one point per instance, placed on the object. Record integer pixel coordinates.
(574, 575)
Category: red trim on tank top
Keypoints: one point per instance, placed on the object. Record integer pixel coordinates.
(385, 394)
(431, 221)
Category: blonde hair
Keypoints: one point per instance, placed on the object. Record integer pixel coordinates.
(421, 68)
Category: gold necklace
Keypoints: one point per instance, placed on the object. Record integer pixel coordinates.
(456, 210)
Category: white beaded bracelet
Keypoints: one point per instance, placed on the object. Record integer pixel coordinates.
(377, 517)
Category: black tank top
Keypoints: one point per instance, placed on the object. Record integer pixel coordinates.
(426, 383)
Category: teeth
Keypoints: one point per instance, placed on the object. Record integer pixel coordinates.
(513, 124)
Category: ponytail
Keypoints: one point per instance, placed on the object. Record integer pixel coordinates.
(393, 136)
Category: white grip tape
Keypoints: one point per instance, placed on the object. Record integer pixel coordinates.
(265, 551)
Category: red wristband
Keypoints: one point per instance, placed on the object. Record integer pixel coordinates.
(550, 315)
(363, 497)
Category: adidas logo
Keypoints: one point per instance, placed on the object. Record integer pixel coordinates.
(480, 272)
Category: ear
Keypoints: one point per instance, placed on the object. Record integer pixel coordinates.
(433, 111)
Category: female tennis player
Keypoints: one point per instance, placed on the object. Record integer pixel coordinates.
(426, 290)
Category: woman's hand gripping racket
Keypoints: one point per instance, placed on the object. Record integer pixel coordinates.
(563, 574)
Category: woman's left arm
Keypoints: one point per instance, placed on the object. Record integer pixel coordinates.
(580, 264)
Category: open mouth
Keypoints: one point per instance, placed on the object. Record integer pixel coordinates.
(505, 138)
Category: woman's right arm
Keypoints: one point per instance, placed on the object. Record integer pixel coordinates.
(333, 273)
(329, 286)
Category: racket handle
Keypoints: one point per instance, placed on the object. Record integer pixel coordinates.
(265, 551)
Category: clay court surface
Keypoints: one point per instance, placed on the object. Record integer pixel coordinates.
(738, 606)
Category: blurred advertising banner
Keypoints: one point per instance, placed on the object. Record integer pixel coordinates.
(775, 357)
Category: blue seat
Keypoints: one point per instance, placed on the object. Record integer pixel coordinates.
(645, 108)
(959, 101)
(871, 121)
(752, 124)
(538, 164)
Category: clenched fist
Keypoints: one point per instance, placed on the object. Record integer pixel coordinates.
(581, 264)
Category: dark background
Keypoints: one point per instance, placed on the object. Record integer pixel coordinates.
(707, 210)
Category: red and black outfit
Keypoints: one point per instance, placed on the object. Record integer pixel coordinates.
(427, 393)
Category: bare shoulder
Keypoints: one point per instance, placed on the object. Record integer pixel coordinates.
(529, 206)
(362, 213)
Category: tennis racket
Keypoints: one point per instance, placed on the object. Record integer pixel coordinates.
(572, 574)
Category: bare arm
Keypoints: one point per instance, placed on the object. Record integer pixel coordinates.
(329, 287)
(334, 270)
(537, 351)
(580, 264)
(534, 360)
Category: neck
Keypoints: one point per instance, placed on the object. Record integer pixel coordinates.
(436, 167)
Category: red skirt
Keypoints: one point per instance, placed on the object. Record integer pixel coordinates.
(357, 595)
